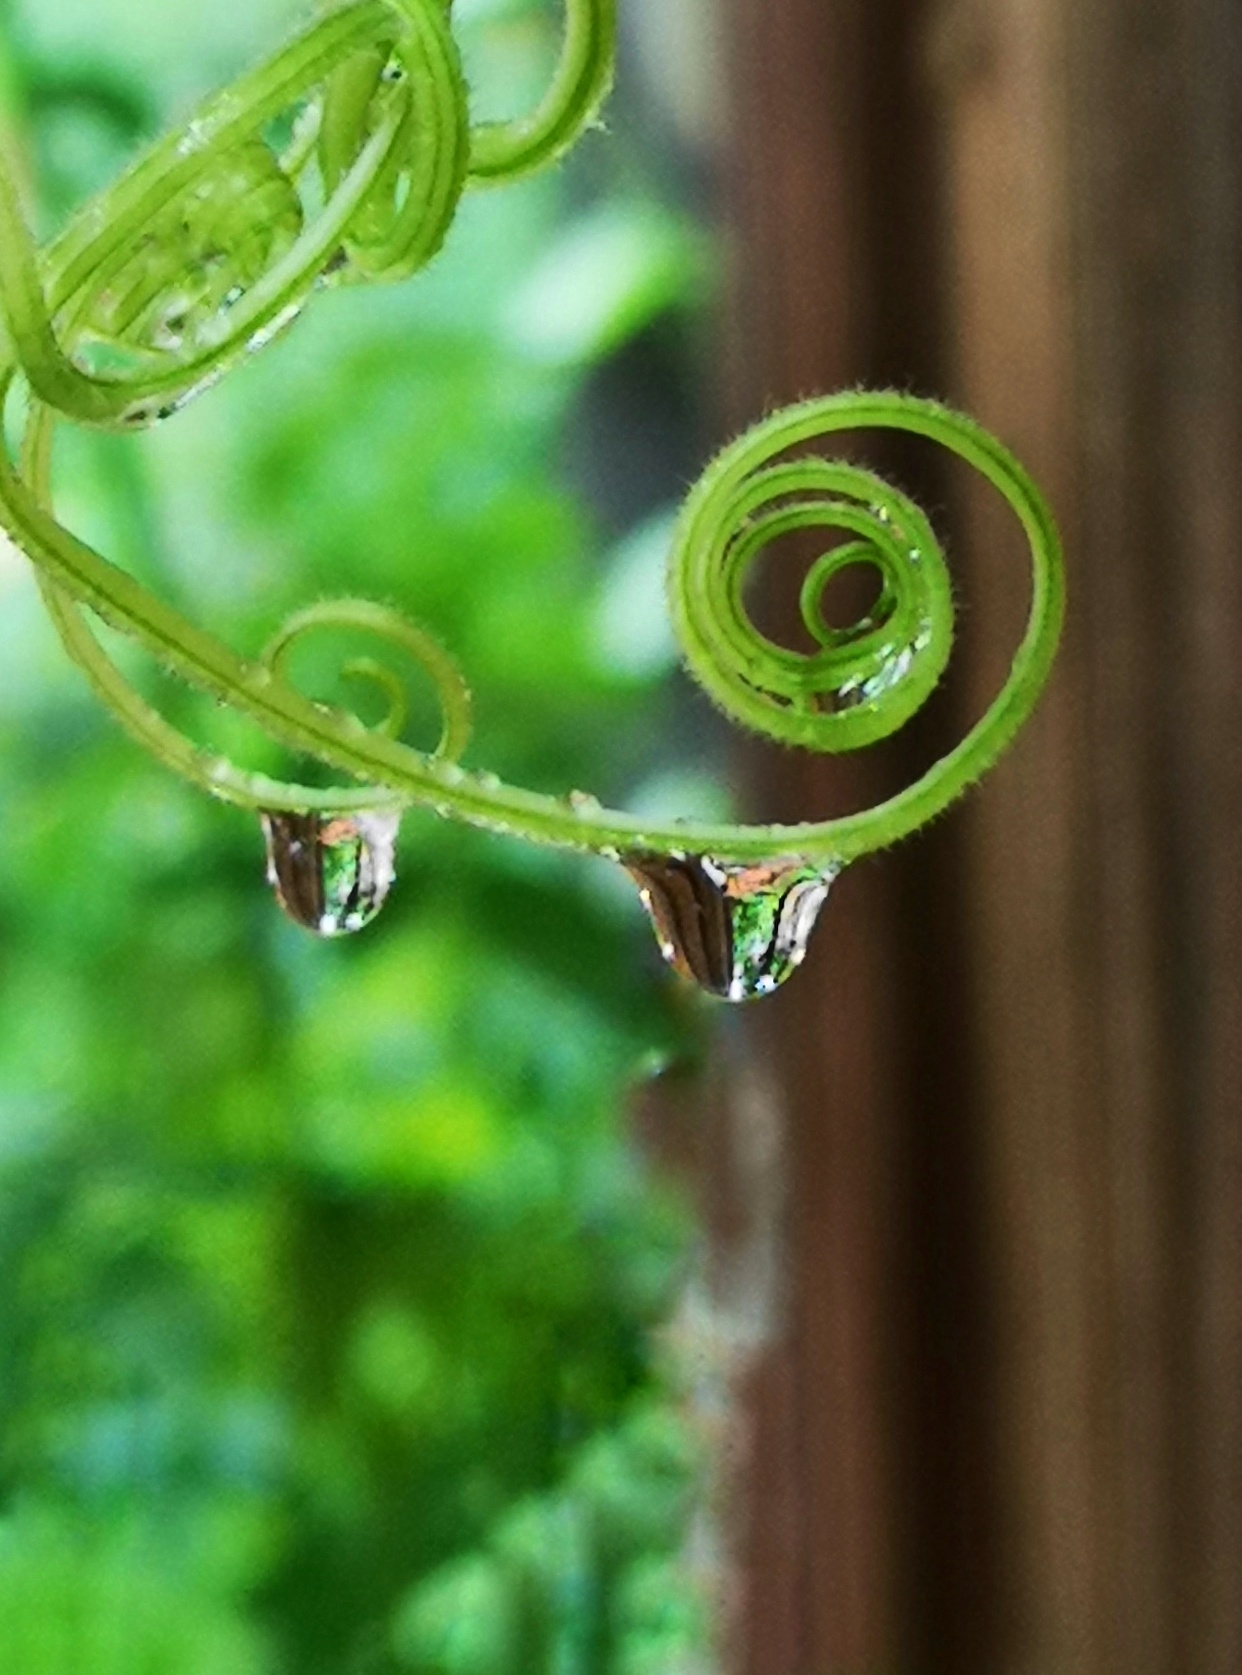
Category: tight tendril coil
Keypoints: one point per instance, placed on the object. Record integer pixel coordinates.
(343, 160)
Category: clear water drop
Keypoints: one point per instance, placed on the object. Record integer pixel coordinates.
(739, 932)
(144, 412)
(331, 872)
(275, 327)
(584, 803)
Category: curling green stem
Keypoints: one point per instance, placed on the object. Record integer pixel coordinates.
(380, 111)
(579, 89)
(387, 766)
(395, 155)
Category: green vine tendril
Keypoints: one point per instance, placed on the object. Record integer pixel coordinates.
(343, 160)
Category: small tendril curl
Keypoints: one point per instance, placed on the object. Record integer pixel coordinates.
(343, 160)
(865, 681)
(868, 680)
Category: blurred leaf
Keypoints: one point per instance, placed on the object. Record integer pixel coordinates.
(111, 1600)
(607, 276)
(633, 634)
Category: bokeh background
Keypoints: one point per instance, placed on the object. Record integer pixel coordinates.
(337, 1300)
(470, 1300)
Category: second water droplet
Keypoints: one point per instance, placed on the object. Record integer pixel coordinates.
(739, 932)
(331, 872)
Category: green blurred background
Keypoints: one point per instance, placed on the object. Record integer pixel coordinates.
(332, 1284)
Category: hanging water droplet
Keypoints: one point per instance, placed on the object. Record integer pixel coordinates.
(259, 339)
(331, 872)
(737, 931)
(145, 412)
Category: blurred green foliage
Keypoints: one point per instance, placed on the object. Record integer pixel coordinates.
(329, 1280)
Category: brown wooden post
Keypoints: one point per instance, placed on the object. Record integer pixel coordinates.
(1096, 166)
(1001, 1429)
(831, 191)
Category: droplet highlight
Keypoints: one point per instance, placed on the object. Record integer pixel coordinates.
(331, 872)
(739, 932)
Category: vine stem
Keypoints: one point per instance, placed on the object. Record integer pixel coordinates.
(418, 158)
(387, 766)
(381, 112)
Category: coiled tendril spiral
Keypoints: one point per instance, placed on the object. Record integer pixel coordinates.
(207, 246)
(215, 239)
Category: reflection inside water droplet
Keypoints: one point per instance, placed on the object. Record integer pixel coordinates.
(331, 872)
(739, 932)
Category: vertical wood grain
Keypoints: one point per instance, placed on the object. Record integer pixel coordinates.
(1003, 1427)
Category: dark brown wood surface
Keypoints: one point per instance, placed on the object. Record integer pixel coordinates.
(999, 1427)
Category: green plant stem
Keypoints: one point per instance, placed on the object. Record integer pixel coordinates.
(579, 89)
(387, 766)
(387, 212)
(381, 110)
